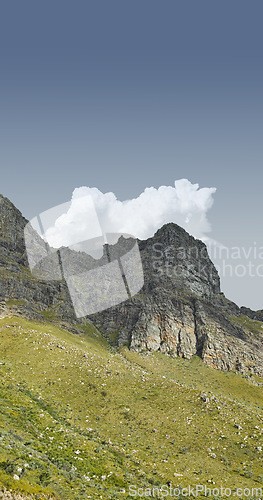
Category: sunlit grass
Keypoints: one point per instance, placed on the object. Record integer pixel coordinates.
(82, 421)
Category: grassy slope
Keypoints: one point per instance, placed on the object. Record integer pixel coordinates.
(79, 420)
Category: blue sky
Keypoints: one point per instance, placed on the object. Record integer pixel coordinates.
(123, 95)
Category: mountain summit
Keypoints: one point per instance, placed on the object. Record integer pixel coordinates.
(180, 310)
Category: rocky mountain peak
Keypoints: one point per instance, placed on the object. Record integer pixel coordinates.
(179, 311)
(175, 257)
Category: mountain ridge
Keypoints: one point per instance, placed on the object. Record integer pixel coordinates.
(180, 310)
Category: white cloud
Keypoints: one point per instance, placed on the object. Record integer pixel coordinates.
(185, 204)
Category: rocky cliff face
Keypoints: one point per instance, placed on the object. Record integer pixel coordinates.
(180, 310)
(19, 290)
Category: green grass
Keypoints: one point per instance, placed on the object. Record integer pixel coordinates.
(14, 302)
(78, 420)
(195, 374)
(249, 324)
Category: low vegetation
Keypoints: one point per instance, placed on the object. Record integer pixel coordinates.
(81, 419)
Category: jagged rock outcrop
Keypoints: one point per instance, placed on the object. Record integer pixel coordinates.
(180, 310)
(19, 289)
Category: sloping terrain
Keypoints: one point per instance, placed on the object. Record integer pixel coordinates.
(80, 419)
(179, 311)
(131, 399)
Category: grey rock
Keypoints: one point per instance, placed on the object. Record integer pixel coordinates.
(180, 310)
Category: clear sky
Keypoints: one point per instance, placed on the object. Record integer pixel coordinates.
(122, 95)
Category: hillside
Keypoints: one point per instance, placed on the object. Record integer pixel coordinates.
(162, 389)
(81, 420)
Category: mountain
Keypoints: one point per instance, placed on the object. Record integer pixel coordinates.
(180, 310)
(86, 416)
